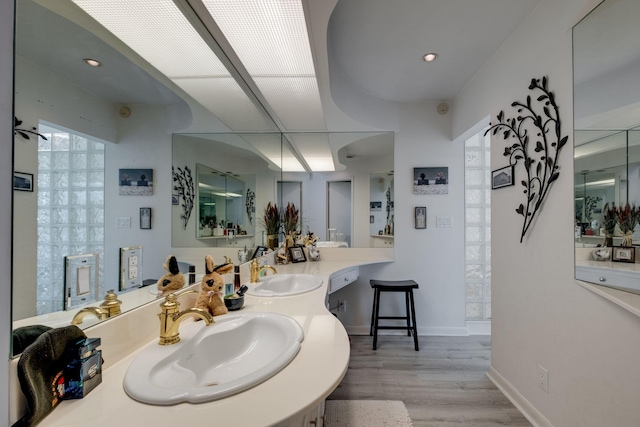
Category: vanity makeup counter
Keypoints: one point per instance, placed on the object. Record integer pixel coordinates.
(282, 400)
(614, 281)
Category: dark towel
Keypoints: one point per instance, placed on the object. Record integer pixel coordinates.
(25, 336)
(40, 371)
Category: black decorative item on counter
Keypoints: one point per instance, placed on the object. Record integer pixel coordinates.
(538, 143)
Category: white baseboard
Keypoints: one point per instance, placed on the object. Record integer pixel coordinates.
(479, 327)
(424, 331)
(534, 416)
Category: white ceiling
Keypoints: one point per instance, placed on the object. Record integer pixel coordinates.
(379, 44)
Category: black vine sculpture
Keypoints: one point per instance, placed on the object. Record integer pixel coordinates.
(250, 204)
(184, 186)
(25, 133)
(543, 130)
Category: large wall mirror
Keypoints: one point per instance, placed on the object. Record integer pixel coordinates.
(127, 117)
(606, 139)
(336, 205)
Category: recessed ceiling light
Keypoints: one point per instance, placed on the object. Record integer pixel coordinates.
(429, 57)
(92, 62)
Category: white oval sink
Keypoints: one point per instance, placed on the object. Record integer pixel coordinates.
(237, 352)
(281, 285)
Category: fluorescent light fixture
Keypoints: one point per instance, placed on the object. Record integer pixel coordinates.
(603, 182)
(320, 164)
(271, 40)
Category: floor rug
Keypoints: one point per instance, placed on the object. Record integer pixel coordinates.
(366, 413)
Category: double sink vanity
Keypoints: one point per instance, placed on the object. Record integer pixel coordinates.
(272, 363)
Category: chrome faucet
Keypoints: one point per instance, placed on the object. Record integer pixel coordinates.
(171, 317)
(110, 307)
(256, 270)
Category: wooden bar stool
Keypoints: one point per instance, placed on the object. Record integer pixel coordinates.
(406, 286)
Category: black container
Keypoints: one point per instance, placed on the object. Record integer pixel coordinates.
(234, 303)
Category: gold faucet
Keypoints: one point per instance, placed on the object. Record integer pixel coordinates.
(100, 313)
(110, 307)
(171, 317)
(256, 270)
(111, 304)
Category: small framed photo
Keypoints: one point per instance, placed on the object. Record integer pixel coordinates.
(260, 250)
(297, 254)
(502, 177)
(420, 217)
(145, 218)
(623, 254)
(22, 181)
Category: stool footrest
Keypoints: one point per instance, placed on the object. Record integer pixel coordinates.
(394, 317)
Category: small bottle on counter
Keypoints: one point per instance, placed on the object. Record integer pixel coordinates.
(236, 278)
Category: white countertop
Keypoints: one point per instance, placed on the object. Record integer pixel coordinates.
(302, 385)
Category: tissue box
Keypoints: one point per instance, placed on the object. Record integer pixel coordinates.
(84, 370)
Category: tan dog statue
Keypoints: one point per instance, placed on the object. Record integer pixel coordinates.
(173, 280)
(212, 288)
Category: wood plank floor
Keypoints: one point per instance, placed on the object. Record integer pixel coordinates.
(443, 384)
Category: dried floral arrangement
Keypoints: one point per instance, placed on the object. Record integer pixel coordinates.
(627, 220)
(271, 219)
(290, 218)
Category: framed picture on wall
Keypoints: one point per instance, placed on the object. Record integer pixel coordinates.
(145, 218)
(420, 217)
(22, 181)
(431, 180)
(135, 182)
(502, 177)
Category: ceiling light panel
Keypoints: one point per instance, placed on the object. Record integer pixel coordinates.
(226, 100)
(158, 32)
(295, 100)
(269, 36)
(270, 39)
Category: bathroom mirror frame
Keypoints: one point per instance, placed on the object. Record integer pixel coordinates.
(606, 135)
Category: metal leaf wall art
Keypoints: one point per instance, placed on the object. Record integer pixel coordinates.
(25, 132)
(535, 138)
(183, 184)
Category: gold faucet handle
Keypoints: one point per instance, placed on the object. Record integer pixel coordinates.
(171, 300)
(111, 303)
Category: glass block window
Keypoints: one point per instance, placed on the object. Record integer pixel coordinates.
(477, 227)
(70, 209)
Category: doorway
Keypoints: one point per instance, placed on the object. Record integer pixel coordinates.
(339, 210)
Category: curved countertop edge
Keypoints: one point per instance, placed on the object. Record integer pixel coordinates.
(627, 300)
(302, 385)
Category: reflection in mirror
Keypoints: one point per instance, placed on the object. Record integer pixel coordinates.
(221, 201)
(381, 219)
(228, 168)
(74, 206)
(606, 144)
(356, 156)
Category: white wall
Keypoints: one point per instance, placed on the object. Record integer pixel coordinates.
(433, 257)
(6, 170)
(540, 316)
